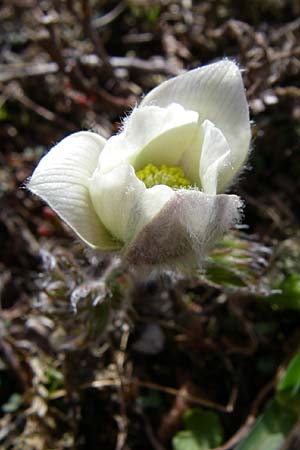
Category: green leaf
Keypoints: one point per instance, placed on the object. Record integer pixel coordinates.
(289, 297)
(291, 379)
(271, 429)
(3, 113)
(236, 262)
(204, 431)
(289, 387)
(188, 440)
(12, 404)
(55, 379)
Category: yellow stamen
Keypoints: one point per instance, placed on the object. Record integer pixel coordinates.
(170, 176)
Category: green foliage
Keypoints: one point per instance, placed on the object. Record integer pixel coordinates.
(270, 430)
(152, 15)
(239, 263)
(236, 262)
(12, 404)
(289, 293)
(55, 379)
(150, 11)
(291, 379)
(3, 113)
(203, 431)
(289, 387)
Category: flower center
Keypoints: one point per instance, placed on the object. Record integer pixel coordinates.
(170, 176)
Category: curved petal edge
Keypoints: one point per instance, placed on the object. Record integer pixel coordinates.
(61, 179)
(217, 93)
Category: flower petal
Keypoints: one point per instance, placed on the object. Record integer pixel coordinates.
(123, 203)
(216, 92)
(215, 166)
(61, 179)
(187, 226)
(150, 135)
(190, 159)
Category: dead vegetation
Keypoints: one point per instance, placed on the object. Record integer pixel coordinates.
(93, 356)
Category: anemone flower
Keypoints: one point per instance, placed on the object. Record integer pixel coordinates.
(154, 190)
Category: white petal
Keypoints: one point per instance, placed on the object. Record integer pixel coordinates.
(185, 229)
(215, 164)
(190, 159)
(216, 92)
(151, 135)
(115, 196)
(123, 203)
(61, 179)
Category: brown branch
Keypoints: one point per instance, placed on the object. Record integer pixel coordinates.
(191, 398)
(92, 34)
(243, 431)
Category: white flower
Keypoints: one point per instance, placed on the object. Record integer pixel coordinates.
(152, 190)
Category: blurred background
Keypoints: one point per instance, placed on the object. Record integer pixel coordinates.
(93, 356)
